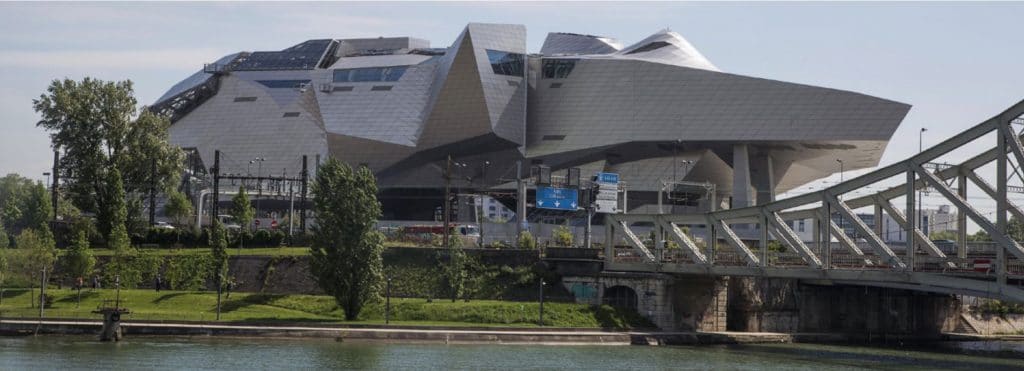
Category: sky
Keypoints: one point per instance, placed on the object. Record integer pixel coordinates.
(957, 64)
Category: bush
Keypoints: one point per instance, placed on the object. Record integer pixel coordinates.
(188, 272)
(526, 241)
(562, 236)
(437, 240)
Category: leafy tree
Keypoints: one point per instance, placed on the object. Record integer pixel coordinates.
(562, 236)
(38, 253)
(37, 211)
(14, 190)
(453, 270)
(4, 240)
(979, 236)
(96, 125)
(79, 261)
(117, 237)
(121, 266)
(943, 235)
(243, 213)
(219, 241)
(178, 207)
(24, 204)
(4, 269)
(526, 241)
(346, 247)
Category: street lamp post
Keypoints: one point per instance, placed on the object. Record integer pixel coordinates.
(841, 224)
(541, 317)
(920, 147)
(47, 174)
(387, 302)
(259, 183)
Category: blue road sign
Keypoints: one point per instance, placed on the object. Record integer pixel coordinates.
(557, 198)
(612, 178)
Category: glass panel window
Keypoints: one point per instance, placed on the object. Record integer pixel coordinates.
(506, 63)
(283, 84)
(557, 68)
(373, 74)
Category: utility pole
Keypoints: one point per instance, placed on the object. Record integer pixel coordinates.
(305, 185)
(259, 184)
(520, 201)
(152, 191)
(919, 216)
(42, 292)
(541, 297)
(54, 195)
(216, 187)
(447, 203)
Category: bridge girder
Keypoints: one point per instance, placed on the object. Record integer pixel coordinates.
(935, 271)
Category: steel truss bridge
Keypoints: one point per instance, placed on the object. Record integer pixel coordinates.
(872, 262)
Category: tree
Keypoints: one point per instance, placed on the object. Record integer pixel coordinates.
(178, 207)
(3, 272)
(979, 236)
(943, 235)
(96, 125)
(4, 240)
(24, 204)
(14, 190)
(453, 270)
(562, 236)
(243, 213)
(526, 241)
(121, 266)
(79, 261)
(38, 253)
(219, 247)
(346, 247)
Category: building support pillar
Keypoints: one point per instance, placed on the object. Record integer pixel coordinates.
(740, 176)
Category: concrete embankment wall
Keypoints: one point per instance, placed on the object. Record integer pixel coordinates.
(992, 324)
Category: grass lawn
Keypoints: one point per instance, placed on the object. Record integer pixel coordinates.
(252, 307)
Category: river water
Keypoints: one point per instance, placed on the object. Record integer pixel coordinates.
(75, 352)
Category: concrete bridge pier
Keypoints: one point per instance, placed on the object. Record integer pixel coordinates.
(671, 302)
(786, 305)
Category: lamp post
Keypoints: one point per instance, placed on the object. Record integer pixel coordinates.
(920, 147)
(47, 174)
(675, 158)
(259, 183)
(483, 185)
(387, 302)
(541, 317)
(840, 181)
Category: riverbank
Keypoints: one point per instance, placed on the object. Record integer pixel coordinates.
(243, 307)
(466, 335)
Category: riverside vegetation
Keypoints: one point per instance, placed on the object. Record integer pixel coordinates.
(255, 307)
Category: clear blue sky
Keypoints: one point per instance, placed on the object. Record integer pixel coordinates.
(956, 63)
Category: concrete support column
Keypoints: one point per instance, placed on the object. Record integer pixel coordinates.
(763, 178)
(740, 176)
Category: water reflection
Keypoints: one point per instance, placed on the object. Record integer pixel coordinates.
(67, 352)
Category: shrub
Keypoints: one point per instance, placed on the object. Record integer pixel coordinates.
(188, 271)
(562, 236)
(437, 240)
(526, 241)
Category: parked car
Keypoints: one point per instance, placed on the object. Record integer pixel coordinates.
(163, 225)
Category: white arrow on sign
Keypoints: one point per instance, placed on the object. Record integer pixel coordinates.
(540, 203)
(573, 205)
(557, 203)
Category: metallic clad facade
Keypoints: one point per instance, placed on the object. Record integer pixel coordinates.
(637, 110)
